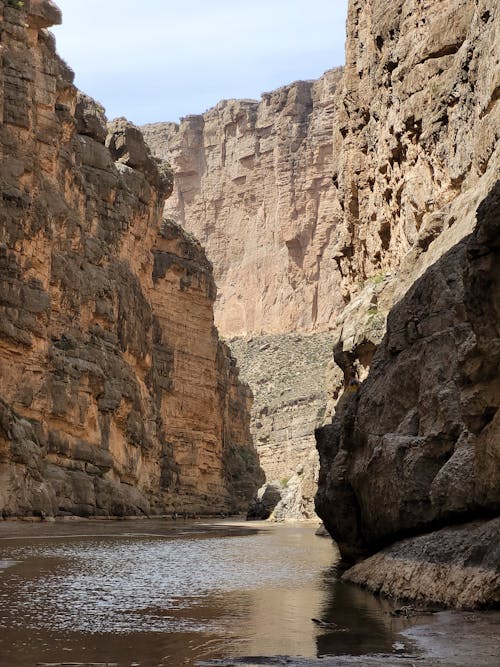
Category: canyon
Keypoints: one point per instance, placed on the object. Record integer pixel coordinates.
(253, 184)
(117, 397)
(352, 224)
(415, 447)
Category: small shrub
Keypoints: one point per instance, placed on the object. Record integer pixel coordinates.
(16, 4)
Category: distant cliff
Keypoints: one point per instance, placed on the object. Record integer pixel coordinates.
(253, 184)
(116, 395)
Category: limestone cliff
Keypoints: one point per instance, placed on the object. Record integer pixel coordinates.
(416, 446)
(253, 184)
(321, 205)
(287, 371)
(116, 395)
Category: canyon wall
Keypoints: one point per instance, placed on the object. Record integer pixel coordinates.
(321, 205)
(116, 395)
(415, 447)
(253, 184)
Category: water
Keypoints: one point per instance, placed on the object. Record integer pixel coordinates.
(153, 593)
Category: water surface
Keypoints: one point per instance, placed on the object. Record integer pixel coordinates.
(154, 593)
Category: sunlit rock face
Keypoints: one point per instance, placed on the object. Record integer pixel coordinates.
(322, 204)
(253, 184)
(116, 395)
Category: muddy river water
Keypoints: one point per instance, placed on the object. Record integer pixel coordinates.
(157, 593)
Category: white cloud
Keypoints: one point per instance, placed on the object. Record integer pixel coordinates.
(158, 60)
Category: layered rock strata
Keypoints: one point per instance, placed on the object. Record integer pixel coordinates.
(253, 184)
(116, 395)
(287, 372)
(415, 446)
(413, 150)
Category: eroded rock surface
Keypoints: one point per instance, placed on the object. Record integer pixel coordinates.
(415, 446)
(253, 184)
(457, 566)
(116, 395)
(287, 372)
(418, 443)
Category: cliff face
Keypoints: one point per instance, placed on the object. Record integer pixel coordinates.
(287, 371)
(253, 184)
(321, 205)
(416, 446)
(116, 395)
(416, 132)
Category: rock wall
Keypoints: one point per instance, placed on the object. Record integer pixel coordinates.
(416, 133)
(321, 205)
(415, 446)
(253, 184)
(116, 395)
(288, 374)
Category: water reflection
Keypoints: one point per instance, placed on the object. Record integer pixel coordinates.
(171, 596)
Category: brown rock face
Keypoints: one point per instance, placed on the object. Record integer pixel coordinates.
(288, 372)
(416, 134)
(116, 396)
(253, 184)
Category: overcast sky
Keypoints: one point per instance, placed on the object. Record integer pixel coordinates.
(158, 60)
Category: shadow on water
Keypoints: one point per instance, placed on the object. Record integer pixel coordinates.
(361, 623)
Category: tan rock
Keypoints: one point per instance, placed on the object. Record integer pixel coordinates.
(116, 395)
(253, 184)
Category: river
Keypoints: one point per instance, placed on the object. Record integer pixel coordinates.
(154, 593)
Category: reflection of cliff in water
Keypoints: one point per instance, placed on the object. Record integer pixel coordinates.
(364, 623)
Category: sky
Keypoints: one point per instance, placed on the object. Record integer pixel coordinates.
(159, 60)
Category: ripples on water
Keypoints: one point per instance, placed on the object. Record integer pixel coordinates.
(248, 592)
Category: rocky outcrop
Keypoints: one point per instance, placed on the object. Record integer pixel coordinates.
(416, 445)
(253, 184)
(116, 395)
(456, 566)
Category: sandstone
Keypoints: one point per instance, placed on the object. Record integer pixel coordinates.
(116, 395)
(324, 202)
